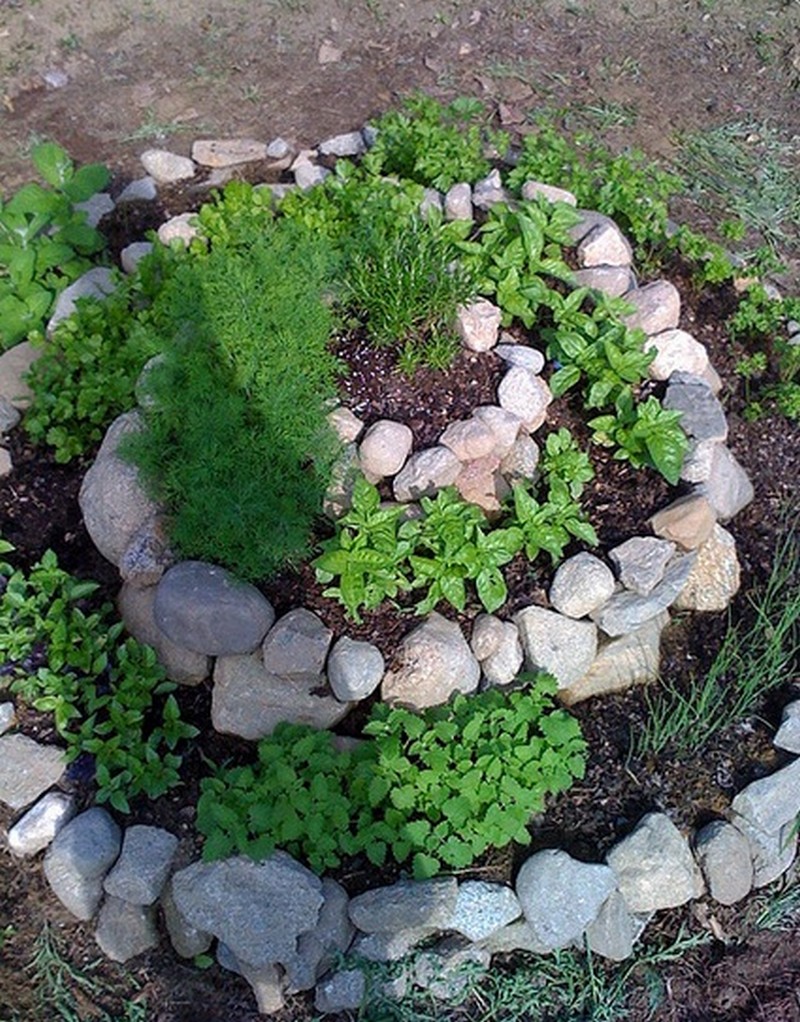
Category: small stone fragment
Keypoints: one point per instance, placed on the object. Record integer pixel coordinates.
(9, 415)
(788, 734)
(489, 191)
(6, 464)
(521, 355)
(278, 149)
(265, 982)
(346, 426)
(143, 189)
(343, 991)
(95, 207)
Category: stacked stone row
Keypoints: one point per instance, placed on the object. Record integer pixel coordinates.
(284, 929)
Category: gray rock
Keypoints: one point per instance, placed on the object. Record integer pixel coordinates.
(278, 149)
(143, 189)
(187, 940)
(95, 207)
(135, 606)
(181, 228)
(458, 202)
(227, 152)
(715, 577)
(219, 897)
(468, 439)
(478, 325)
(489, 191)
(521, 355)
(27, 769)
(503, 664)
(589, 219)
(728, 487)
(8, 717)
(626, 611)
(388, 946)
(483, 908)
(532, 190)
(613, 281)
(434, 661)
(487, 635)
(561, 896)
(405, 905)
(656, 307)
(297, 643)
(132, 255)
(425, 472)
(78, 859)
(788, 734)
(676, 351)
(505, 425)
(166, 167)
(38, 827)
(632, 659)
(525, 395)
(346, 471)
(140, 872)
(557, 644)
(350, 143)
(446, 970)
(703, 417)
(227, 960)
(9, 415)
(723, 853)
(342, 991)
(604, 245)
(308, 174)
(687, 521)
(581, 584)
(6, 464)
(249, 701)
(613, 932)
(772, 853)
(148, 553)
(384, 449)
(14, 366)
(96, 283)
(640, 562)
(318, 949)
(517, 936)
(654, 866)
(522, 461)
(204, 608)
(355, 669)
(431, 200)
(125, 930)
(112, 500)
(772, 801)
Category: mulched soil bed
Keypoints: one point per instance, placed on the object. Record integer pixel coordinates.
(38, 509)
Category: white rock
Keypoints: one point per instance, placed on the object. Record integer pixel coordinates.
(355, 669)
(166, 167)
(534, 189)
(788, 734)
(715, 576)
(478, 324)
(657, 307)
(434, 662)
(557, 644)
(580, 585)
(468, 439)
(178, 228)
(613, 281)
(347, 426)
(37, 828)
(14, 366)
(227, 152)
(505, 425)
(604, 245)
(6, 464)
(521, 355)
(676, 351)
(425, 472)
(525, 395)
(489, 191)
(384, 449)
(350, 143)
(458, 202)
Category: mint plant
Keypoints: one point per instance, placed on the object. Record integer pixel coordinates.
(438, 788)
(45, 243)
(62, 657)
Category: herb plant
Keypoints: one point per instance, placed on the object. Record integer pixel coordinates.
(62, 657)
(45, 243)
(439, 788)
(644, 434)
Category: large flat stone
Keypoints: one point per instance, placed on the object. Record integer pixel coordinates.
(27, 769)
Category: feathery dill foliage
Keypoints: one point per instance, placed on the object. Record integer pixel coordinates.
(237, 444)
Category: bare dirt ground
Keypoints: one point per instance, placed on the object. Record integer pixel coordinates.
(109, 80)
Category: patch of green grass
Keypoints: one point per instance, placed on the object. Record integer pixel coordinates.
(566, 985)
(754, 657)
(152, 129)
(748, 170)
(609, 114)
(779, 908)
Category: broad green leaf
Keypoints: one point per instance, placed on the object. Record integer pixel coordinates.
(87, 180)
(492, 590)
(53, 163)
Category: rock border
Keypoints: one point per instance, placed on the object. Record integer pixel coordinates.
(690, 563)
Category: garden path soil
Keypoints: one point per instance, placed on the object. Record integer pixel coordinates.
(140, 74)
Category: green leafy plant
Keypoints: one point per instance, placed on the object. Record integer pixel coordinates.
(86, 373)
(563, 459)
(644, 434)
(236, 441)
(433, 144)
(63, 658)
(438, 787)
(550, 524)
(368, 553)
(45, 243)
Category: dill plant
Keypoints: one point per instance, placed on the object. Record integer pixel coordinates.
(236, 443)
